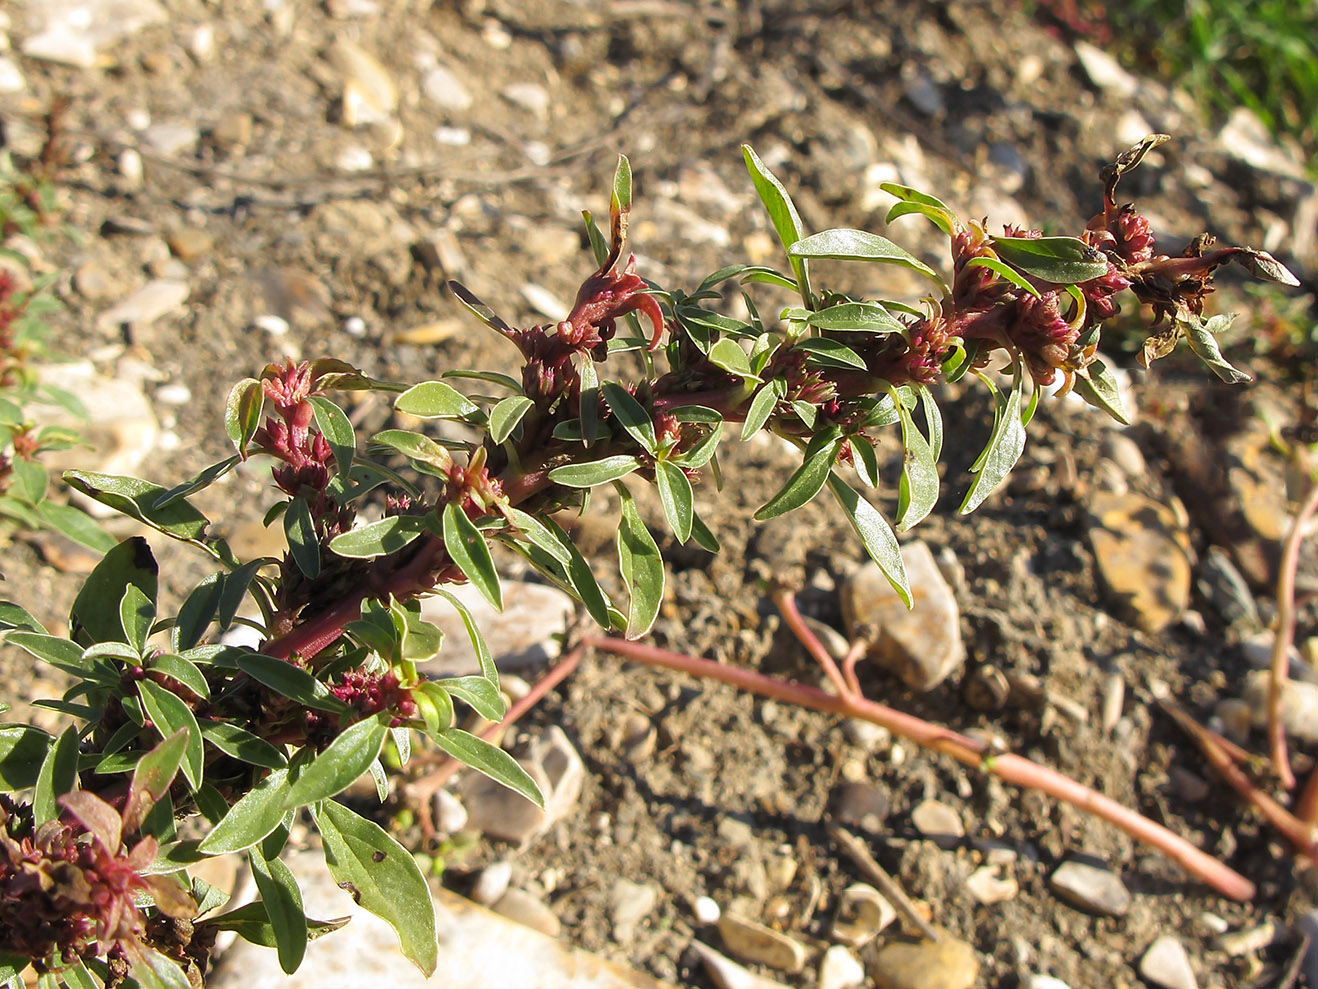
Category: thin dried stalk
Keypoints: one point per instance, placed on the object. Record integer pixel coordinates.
(1281, 646)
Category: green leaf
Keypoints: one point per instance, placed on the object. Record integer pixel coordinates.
(676, 495)
(599, 247)
(59, 653)
(290, 681)
(242, 413)
(762, 405)
(337, 430)
(234, 590)
(76, 525)
(137, 612)
(242, 744)
(1061, 260)
(251, 923)
(79, 977)
(730, 357)
(152, 777)
(491, 760)
(479, 693)
(335, 769)
(479, 309)
(415, 446)
(918, 489)
(182, 670)
(256, 814)
(856, 317)
(57, 776)
(933, 419)
(1098, 386)
(437, 400)
(153, 970)
(594, 472)
(702, 451)
(16, 616)
(864, 459)
(29, 480)
(860, 245)
(1004, 448)
(505, 416)
(202, 479)
(196, 612)
(384, 878)
(170, 713)
(95, 613)
(588, 403)
(830, 353)
(467, 548)
(631, 415)
(581, 578)
(809, 478)
(1201, 334)
(877, 536)
(914, 201)
(388, 535)
(1005, 271)
(621, 199)
(303, 541)
(137, 499)
(782, 214)
(488, 670)
(22, 751)
(641, 566)
(11, 964)
(282, 901)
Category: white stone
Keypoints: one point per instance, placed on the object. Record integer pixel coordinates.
(276, 326)
(11, 78)
(354, 158)
(530, 96)
(130, 167)
(445, 90)
(754, 942)
(862, 913)
(201, 42)
(171, 138)
(706, 910)
(152, 301)
(988, 887)
(452, 137)
(1045, 982)
(1091, 887)
(492, 882)
(1166, 964)
(1105, 72)
(369, 93)
(543, 301)
(629, 904)
(354, 326)
(727, 974)
(72, 31)
(174, 394)
(450, 815)
(840, 969)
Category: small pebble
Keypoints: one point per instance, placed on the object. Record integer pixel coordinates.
(706, 910)
(354, 326)
(492, 882)
(276, 326)
(986, 886)
(840, 969)
(1166, 964)
(526, 909)
(1114, 698)
(174, 394)
(1044, 982)
(947, 963)
(756, 943)
(862, 913)
(1090, 887)
(939, 823)
(450, 815)
(1251, 939)
(1213, 924)
(860, 805)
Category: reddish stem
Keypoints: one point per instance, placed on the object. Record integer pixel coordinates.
(1285, 636)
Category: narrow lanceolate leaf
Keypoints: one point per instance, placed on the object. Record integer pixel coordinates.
(809, 478)
(595, 472)
(57, 776)
(782, 214)
(728, 355)
(242, 744)
(830, 353)
(1202, 335)
(22, 751)
(152, 777)
(182, 671)
(171, 714)
(914, 201)
(242, 413)
(856, 317)
(235, 589)
(479, 309)
(415, 446)
(468, 549)
(383, 877)
(1061, 260)
(15, 616)
(77, 525)
(1005, 445)
(291, 681)
(250, 923)
(334, 769)
(137, 499)
(152, 970)
(860, 245)
(581, 577)
(1004, 270)
(303, 541)
(488, 670)
(676, 495)
(282, 900)
(877, 536)
(630, 414)
(387, 535)
(491, 760)
(642, 568)
(933, 419)
(196, 613)
(762, 406)
(918, 488)
(479, 693)
(203, 479)
(256, 814)
(59, 653)
(337, 430)
(505, 416)
(437, 400)
(1098, 386)
(621, 199)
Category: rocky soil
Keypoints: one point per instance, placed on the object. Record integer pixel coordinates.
(253, 180)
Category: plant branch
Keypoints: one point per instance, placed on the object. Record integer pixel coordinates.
(1285, 635)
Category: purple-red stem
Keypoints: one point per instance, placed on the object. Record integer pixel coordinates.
(1285, 636)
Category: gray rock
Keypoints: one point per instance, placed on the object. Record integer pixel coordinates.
(1090, 887)
(923, 645)
(1124, 451)
(862, 913)
(840, 969)
(629, 904)
(71, 32)
(1226, 588)
(93, 282)
(121, 433)
(521, 906)
(1166, 964)
(1257, 650)
(445, 90)
(987, 886)
(860, 805)
(153, 300)
(1105, 72)
(450, 815)
(495, 810)
(939, 823)
(492, 882)
(926, 95)
(1299, 704)
(727, 974)
(754, 942)
(519, 636)
(529, 96)
(170, 138)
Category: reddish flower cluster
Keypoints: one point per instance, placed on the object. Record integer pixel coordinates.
(371, 693)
